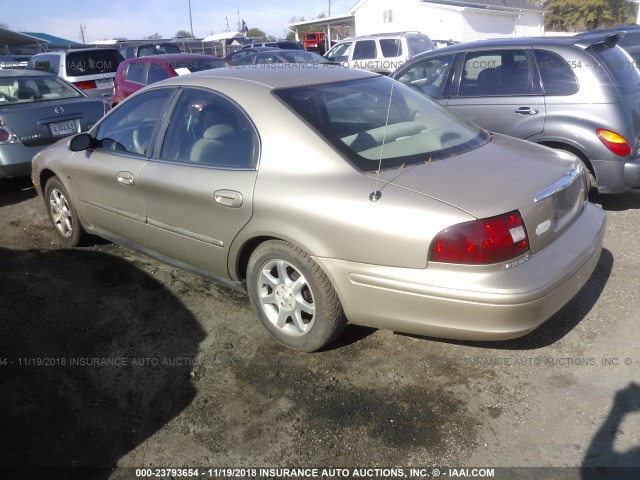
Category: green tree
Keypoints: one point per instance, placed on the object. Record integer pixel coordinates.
(579, 15)
(183, 34)
(153, 36)
(256, 33)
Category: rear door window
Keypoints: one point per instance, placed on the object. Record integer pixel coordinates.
(206, 129)
(156, 73)
(557, 76)
(496, 73)
(364, 50)
(135, 73)
(391, 47)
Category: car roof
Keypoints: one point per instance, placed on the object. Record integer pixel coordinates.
(95, 49)
(383, 35)
(172, 57)
(580, 42)
(284, 76)
(24, 73)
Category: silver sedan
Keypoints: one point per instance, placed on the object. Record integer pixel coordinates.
(332, 195)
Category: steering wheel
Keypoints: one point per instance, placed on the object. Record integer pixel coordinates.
(142, 135)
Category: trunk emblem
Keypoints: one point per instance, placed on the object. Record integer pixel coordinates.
(543, 227)
(59, 110)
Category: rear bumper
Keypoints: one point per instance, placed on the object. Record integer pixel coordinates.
(467, 303)
(15, 159)
(617, 176)
(632, 172)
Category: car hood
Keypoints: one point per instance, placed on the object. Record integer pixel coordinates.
(503, 175)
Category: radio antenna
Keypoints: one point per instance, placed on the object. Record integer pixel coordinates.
(377, 194)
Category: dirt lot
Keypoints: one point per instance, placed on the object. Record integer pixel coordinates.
(109, 358)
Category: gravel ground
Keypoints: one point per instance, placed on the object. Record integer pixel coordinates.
(111, 359)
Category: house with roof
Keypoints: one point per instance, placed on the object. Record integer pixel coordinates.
(459, 20)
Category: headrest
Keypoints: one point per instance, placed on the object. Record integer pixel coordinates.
(218, 131)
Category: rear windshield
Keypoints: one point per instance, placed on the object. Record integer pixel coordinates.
(300, 56)
(620, 65)
(378, 121)
(95, 62)
(145, 50)
(34, 89)
(197, 65)
(418, 44)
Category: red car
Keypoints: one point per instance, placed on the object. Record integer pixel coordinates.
(136, 73)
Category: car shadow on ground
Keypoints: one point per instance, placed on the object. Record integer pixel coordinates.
(16, 190)
(602, 461)
(95, 357)
(629, 200)
(560, 324)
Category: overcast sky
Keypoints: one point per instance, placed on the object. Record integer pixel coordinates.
(106, 19)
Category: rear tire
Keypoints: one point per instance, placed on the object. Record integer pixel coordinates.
(293, 297)
(62, 214)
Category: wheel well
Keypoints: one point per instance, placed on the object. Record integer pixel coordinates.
(571, 149)
(45, 175)
(245, 253)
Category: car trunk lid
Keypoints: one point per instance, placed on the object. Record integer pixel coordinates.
(44, 122)
(547, 187)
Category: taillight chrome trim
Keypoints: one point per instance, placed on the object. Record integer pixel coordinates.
(565, 182)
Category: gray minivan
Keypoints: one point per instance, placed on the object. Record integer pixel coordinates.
(573, 94)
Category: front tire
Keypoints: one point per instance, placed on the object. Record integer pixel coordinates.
(63, 214)
(293, 297)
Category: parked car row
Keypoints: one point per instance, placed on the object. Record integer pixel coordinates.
(137, 72)
(399, 212)
(331, 195)
(36, 110)
(381, 53)
(576, 94)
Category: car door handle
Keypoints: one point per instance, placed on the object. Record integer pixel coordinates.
(228, 198)
(125, 178)
(527, 111)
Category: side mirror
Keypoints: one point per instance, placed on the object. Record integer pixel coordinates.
(80, 142)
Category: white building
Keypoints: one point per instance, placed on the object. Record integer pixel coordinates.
(460, 20)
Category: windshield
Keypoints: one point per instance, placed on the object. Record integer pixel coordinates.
(34, 89)
(352, 116)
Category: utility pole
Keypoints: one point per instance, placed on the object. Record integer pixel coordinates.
(82, 29)
(329, 13)
(190, 19)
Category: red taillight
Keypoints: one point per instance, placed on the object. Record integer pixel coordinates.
(614, 142)
(6, 134)
(86, 84)
(490, 240)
